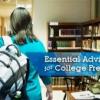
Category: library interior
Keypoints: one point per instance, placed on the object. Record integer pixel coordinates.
(63, 26)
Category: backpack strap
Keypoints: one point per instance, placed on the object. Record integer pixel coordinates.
(8, 66)
(6, 40)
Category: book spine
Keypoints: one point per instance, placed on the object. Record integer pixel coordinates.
(51, 32)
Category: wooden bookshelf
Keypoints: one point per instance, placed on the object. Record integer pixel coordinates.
(60, 32)
(91, 30)
(73, 37)
(78, 36)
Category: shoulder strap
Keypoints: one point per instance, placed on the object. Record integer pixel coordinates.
(6, 40)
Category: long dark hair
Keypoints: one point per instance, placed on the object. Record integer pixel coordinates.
(21, 25)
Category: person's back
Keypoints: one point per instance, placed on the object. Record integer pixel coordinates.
(23, 37)
(32, 87)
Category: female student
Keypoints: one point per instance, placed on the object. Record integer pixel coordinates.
(23, 37)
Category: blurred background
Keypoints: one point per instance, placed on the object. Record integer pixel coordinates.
(44, 11)
(6, 7)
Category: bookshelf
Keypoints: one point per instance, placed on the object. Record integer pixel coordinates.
(91, 35)
(83, 36)
(73, 37)
(64, 36)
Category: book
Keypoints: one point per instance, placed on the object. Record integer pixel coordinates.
(87, 30)
(51, 32)
(90, 29)
(94, 46)
(98, 44)
(99, 29)
(86, 43)
(54, 23)
(49, 44)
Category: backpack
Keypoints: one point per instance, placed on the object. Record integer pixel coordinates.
(13, 69)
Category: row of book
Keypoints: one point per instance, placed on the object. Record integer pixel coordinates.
(86, 30)
(65, 43)
(92, 30)
(64, 32)
(58, 81)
